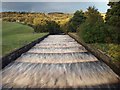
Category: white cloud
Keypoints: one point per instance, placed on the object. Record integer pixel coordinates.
(55, 0)
(53, 6)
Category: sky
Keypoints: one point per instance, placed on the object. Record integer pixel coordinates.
(45, 7)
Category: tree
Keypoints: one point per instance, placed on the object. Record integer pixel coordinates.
(53, 27)
(76, 20)
(113, 20)
(93, 29)
(93, 15)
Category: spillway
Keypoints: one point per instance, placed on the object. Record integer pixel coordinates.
(58, 62)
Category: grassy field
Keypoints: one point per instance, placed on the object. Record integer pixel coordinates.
(16, 35)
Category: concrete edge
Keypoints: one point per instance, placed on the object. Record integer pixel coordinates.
(103, 57)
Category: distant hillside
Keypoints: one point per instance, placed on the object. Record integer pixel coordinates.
(28, 18)
(56, 13)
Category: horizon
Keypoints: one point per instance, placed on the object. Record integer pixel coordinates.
(47, 7)
(40, 12)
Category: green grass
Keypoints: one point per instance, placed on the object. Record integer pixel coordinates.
(15, 35)
(112, 50)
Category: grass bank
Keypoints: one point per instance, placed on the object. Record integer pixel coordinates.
(110, 49)
(15, 35)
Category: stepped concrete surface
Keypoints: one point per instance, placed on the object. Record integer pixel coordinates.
(58, 62)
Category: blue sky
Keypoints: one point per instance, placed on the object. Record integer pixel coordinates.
(68, 7)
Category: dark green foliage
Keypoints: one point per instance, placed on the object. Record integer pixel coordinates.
(40, 28)
(93, 15)
(113, 14)
(65, 28)
(93, 29)
(53, 27)
(111, 35)
(75, 21)
(92, 33)
(113, 21)
(50, 26)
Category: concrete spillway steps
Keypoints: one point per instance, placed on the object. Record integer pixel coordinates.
(57, 61)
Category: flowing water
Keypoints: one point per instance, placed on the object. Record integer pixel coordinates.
(57, 61)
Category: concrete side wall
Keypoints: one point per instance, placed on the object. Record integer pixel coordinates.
(100, 55)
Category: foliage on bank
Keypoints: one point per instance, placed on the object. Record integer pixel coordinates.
(42, 25)
(113, 21)
(77, 19)
(93, 29)
(39, 21)
(102, 34)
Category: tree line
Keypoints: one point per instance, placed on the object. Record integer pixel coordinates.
(89, 25)
(41, 22)
(92, 27)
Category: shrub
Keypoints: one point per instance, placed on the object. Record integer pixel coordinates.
(93, 29)
(75, 21)
(113, 21)
(53, 27)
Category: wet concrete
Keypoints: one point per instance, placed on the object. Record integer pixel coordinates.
(58, 62)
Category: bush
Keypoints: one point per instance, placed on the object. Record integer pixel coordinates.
(113, 21)
(112, 36)
(93, 29)
(53, 27)
(40, 28)
(40, 25)
(92, 33)
(114, 52)
(50, 26)
(75, 21)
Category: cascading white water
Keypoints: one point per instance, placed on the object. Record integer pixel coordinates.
(57, 49)
(57, 61)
